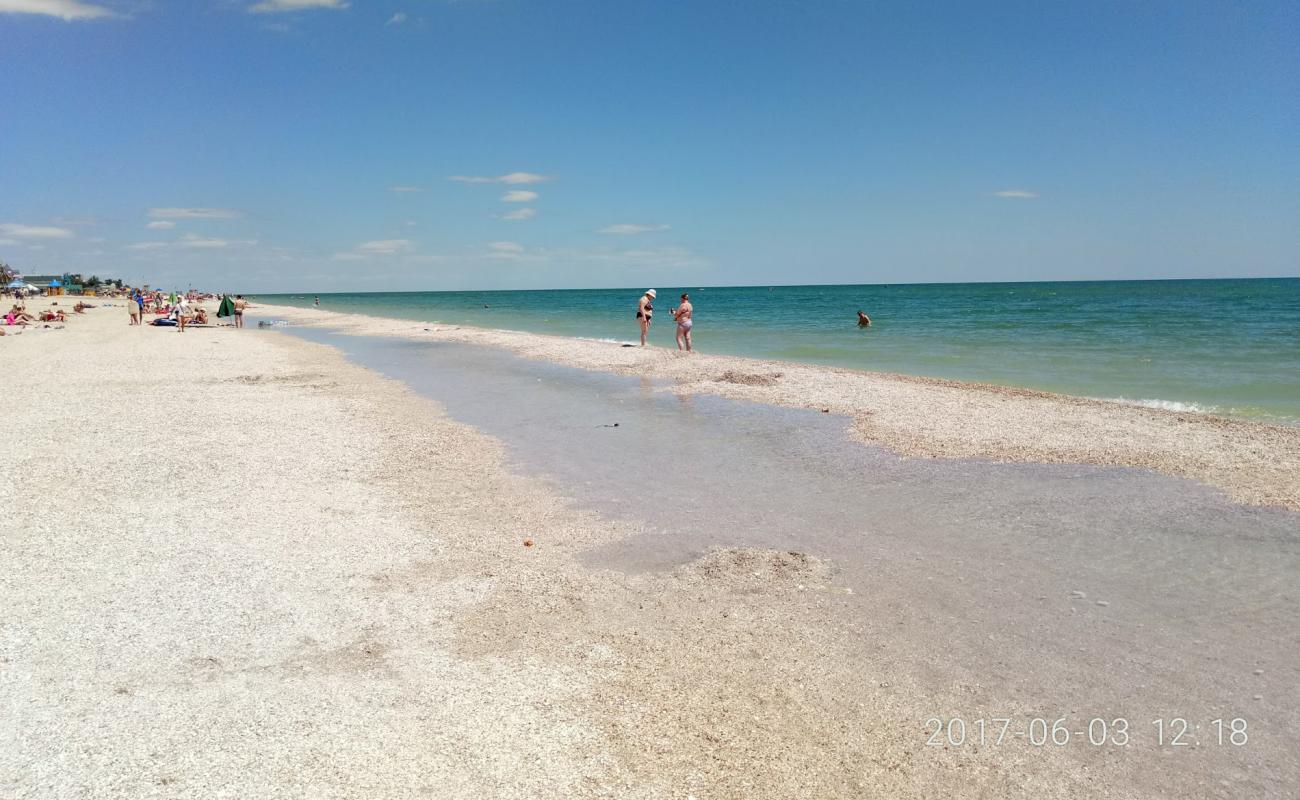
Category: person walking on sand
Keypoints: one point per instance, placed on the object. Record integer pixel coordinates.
(240, 305)
(133, 308)
(644, 311)
(684, 314)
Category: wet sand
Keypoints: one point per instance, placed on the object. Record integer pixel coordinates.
(1251, 462)
(240, 565)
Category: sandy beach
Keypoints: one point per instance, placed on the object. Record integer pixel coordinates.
(1252, 462)
(241, 565)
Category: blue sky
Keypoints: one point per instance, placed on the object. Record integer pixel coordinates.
(325, 145)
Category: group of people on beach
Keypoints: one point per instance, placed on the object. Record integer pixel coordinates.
(683, 315)
(19, 317)
(178, 310)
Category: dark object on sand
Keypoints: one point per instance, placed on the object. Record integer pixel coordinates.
(227, 307)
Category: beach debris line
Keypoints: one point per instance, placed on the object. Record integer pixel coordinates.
(748, 378)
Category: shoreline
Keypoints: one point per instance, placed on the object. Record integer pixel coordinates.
(1253, 463)
(286, 574)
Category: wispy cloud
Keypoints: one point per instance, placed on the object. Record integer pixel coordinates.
(520, 214)
(628, 229)
(511, 178)
(280, 6)
(69, 10)
(160, 225)
(397, 18)
(385, 247)
(377, 247)
(203, 243)
(404, 189)
(518, 196)
(194, 213)
(19, 231)
(192, 241)
(8, 242)
(505, 250)
(1018, 194)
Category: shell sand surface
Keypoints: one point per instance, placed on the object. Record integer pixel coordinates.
(238, 566)
(1252, 462)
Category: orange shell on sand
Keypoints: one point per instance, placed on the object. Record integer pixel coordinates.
(528, 542)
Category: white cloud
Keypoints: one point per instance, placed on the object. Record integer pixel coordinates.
(513, 248)
(397, 19)
(384, 247)
(18, 231)
(7, 241)
(377, 247)
(35, 247)
(192, 242)
(202, 243)
(518, 196)
(1020, 194)
(194, 213)
(160, 225)
(68, 10)
(511, 178)
(278, 6)
(520, 214)
(404, 189)
(628, 229)
(523, 177)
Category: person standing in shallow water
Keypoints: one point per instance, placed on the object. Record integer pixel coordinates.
(863, 320)
(644, 311)
(684, 314)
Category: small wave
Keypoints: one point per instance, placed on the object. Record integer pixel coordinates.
(603, 339)
(1171, 405)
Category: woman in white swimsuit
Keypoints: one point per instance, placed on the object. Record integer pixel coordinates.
(683, 314)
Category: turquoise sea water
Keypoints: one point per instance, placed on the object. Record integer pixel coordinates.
(1222, 346)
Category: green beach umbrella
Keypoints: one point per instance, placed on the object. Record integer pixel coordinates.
(227, 308)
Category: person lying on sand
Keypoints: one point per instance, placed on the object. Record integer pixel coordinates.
(863, 320)
(79, 308)
(20, 316)
(54, 316)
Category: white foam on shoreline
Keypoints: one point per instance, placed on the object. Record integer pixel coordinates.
(1171, 405)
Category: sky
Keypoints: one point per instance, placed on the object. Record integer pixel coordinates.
(328, 145)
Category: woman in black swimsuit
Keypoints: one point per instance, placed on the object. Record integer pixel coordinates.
(644, 311)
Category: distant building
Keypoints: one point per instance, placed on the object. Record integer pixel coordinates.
(55, 284)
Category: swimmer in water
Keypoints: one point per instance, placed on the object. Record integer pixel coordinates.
(863, 320)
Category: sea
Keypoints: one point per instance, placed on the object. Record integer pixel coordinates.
(1229, 347)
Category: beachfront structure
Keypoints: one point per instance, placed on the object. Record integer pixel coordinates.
(55, 284)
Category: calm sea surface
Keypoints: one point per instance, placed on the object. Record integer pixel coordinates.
(1223, 346)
